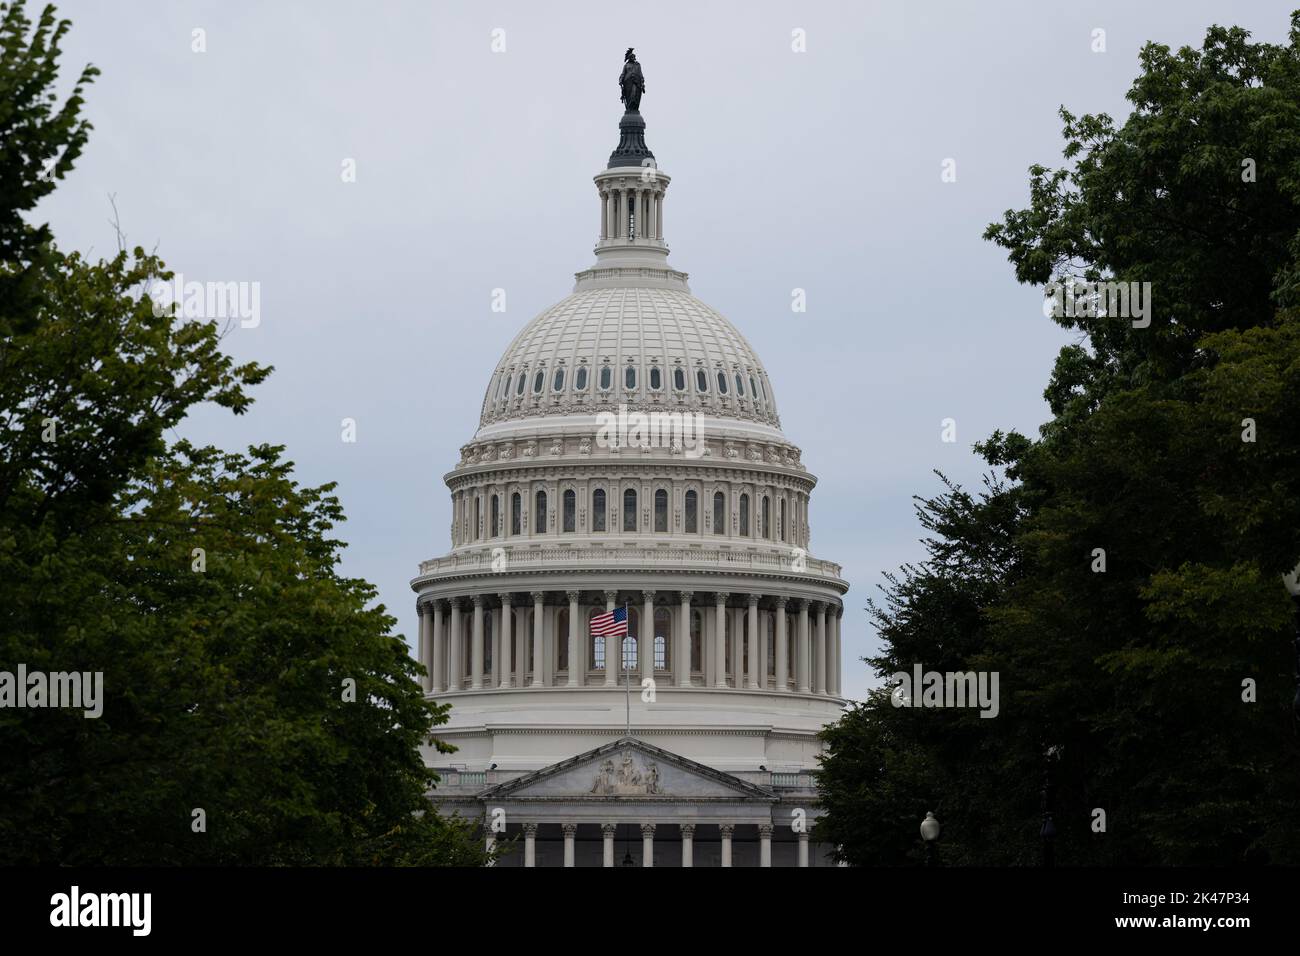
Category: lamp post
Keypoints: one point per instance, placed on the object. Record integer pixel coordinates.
(1047, 832)
(1292, 582)
(930, 834)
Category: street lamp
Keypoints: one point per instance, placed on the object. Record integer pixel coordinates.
(1292, 582)
(930, 834)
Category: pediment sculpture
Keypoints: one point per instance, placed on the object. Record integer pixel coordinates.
(626, 779)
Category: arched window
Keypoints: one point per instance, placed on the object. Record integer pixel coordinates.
(744, 515)
(740, 386)
(516, 514)
(580, 380)
(661, 510)
(692, 512)
(701, 381)
(631, 646)
(663, 639)
(656, 381)
(780, 522)
(539, 513)
(596, 645)
(679, 380)
(629, 376)
(562, 641)
(765, 528)
(629, 510)
(519, 389)
(719, 513)
(496, 516)
(753, 389)
(598, 510)
(722, 382)
(505, 389)
(604, 378)
(558, 382)
(570, 510)
(538, 380)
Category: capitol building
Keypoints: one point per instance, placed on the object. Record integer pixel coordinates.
(629, 455)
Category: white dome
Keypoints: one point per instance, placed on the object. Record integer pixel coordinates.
(677, 353)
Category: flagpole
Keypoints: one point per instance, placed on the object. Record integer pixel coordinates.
(627, 679)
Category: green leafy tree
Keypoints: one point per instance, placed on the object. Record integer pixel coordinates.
(257, 706)
(1162, 684)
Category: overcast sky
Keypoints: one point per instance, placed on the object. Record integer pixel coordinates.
(817, 170)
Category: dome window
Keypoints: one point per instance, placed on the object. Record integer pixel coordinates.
(722, 382)
(580, 380)
(519, 389)
(740, 386)
(598, 510)
(558, 384)
(656, 378)
(505, 389)
(679, 380)
(538, 381)
(753, 389)
(701, 381)
(629, 376)
(604, 378)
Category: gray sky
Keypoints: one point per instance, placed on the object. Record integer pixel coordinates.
(818, 170)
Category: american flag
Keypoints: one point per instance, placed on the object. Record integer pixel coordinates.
(610, 624)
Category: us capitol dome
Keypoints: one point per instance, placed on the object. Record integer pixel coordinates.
(629, 457)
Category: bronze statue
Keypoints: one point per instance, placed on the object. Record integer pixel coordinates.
(631, 82)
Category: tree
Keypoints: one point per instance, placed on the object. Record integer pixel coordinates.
(257, 707)
(1142, 631)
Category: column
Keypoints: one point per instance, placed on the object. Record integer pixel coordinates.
(607, 843)
(455, 642)
(647, 844)
(726, 830)
(765, 844)
(423, 611)
(682, 648)
(507, 639)
(645, 641)
(575, 657)
(819, 651)
(521, 654)
(539, 609)
(755, 665)
(688, 844)
(801, 672)
(570, 829)
(476, 647)
(659, 217)
(803, 848)
(837, 661)
(782, 644)
(737, 647)
(604, 217)
(530, 844)
(652, 229)
(720, 639)
(613, 648)
(438, 644)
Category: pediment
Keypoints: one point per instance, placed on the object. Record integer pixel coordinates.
(628, 769)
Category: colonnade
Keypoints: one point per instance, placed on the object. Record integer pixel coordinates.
(677, 638)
